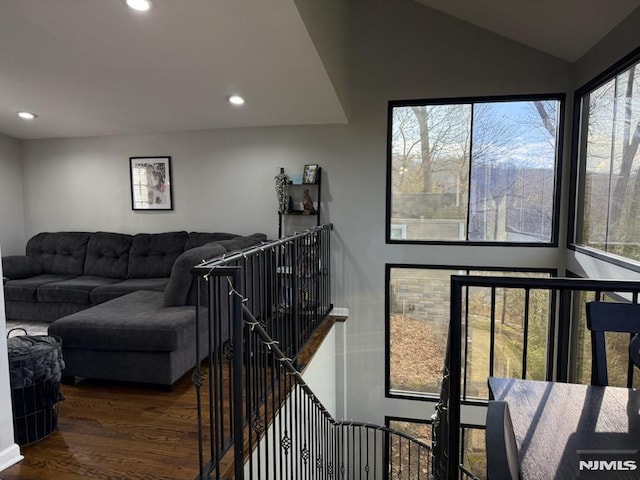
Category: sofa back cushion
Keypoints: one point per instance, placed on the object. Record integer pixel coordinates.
(182, 286)
(108, 255)
(197, 239)
(240, 243)
(61, 253)
(152, 254)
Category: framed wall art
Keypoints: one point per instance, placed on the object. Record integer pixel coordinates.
(310, 174)
(151, 183)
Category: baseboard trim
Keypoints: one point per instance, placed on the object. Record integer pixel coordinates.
(10, 456)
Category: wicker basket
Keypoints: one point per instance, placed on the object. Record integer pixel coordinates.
(35, 367)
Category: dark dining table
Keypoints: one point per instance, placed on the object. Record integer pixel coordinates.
(558, 425)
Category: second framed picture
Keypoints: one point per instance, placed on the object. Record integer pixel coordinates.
(151, 183)
(310, 173)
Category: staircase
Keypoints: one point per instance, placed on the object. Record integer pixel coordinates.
(271, 425)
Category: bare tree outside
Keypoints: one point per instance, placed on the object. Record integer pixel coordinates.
(513, 171)
(481, 171)
(611, 164)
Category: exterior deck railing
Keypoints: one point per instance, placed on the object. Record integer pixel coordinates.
(565, 298)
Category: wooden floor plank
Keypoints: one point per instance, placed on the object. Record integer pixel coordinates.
(123, 431)
(117, 431)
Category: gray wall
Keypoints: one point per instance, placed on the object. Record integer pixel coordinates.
(12, 241)
(9, 450)
(421, 54)
(620, 42)
(11, 206)
(328, 25)
(223, 179)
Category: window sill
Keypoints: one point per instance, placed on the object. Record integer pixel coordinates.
(627, 263)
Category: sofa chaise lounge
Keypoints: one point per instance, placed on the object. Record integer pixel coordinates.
(124, 305)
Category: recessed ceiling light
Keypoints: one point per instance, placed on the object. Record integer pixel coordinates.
(27, 115)
(236, 100)
(140, 5)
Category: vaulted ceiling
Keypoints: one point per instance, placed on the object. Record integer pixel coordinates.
(94, 67)
(564, 28)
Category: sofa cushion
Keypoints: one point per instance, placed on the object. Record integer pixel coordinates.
(20, 266)
(138, 321)
(181, 279)
(25, 289)
(74, 290)
(197, 239)
(152, 254)
(31, 313)
(61, 253)
(108, 255)
(109, 292)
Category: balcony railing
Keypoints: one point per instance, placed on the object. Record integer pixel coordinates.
(303, 440)
(563, 300)
(285, 286)
(257, 418)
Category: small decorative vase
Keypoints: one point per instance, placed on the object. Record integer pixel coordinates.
(282, 182)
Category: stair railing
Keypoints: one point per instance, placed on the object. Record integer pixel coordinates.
(304, 441)
(257, 417)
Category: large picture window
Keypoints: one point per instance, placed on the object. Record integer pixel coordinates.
(473, 170)
(609, 163)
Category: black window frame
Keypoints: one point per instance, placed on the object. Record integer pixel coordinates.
(576, 171)
(560, 97)
(431, 397)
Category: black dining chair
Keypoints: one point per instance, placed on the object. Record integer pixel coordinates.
(611, 317)
(502, 450)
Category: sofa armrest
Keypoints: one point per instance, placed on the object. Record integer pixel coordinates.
(181, 283)
(19, 266)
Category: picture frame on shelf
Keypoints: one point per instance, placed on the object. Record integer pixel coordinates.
(151, 183)
(310, 174)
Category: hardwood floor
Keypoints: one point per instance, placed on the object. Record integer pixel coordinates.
(117, 431)
(121, 431)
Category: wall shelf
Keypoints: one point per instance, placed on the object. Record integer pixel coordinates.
(291, 221)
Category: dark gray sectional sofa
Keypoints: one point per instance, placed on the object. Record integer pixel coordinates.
(124, 305)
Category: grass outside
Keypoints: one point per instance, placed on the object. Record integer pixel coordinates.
(418, 350)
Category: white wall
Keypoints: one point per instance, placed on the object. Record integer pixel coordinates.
(9, 450)
(11, 208)
(320, 375)
(322, 371)
(223, 179)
